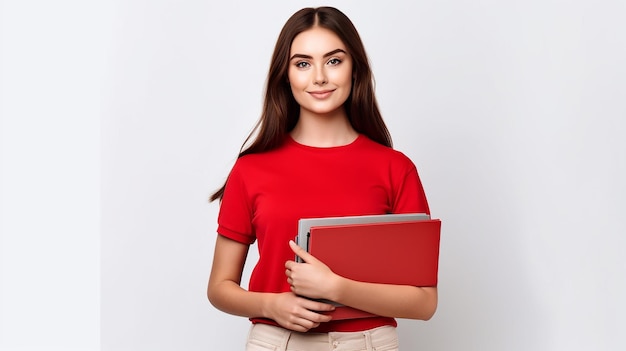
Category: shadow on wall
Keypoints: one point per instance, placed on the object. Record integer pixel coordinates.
(487, 300)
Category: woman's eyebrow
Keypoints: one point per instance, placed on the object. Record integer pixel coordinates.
(330, 53)
(336, 51)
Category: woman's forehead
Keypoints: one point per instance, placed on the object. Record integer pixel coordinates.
(316, 41)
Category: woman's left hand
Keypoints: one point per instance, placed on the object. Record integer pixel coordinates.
(312, 278)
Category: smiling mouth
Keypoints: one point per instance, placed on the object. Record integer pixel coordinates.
(321, 94)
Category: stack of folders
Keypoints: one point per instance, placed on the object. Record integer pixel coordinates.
(400, 249)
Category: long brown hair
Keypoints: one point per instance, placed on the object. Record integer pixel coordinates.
(280, 109)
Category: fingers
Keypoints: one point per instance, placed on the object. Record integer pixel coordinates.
(301, 324)
(306, 279)
(304, 319)
(297, 313)
(318, 306)
(314, 315)
(307, 257)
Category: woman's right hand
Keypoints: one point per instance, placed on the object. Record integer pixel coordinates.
(297, 313)
(225, 293)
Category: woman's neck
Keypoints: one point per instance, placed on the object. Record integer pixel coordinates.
(323, 130)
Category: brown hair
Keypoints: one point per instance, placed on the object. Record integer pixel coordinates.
(280, 109)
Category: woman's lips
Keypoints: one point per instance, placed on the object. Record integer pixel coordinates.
(322, 94)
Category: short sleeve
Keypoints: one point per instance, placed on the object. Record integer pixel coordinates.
(235, 215)
(409, 196)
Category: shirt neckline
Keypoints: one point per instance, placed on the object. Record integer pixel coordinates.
(293, 142)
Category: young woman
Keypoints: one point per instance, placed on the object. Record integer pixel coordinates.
(321, 149)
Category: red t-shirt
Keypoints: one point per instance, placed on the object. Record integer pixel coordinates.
(267, 193)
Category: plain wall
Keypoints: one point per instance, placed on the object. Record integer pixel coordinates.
(120, 118)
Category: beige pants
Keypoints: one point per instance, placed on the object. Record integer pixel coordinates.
(264, 337)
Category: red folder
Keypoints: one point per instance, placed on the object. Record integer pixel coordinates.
(401, 253)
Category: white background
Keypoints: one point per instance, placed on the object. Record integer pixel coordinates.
(119, 118)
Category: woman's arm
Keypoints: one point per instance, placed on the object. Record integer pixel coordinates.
(315, 280)
(399, 301)
(225, 293)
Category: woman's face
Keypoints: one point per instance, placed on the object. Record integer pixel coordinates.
(320, 72)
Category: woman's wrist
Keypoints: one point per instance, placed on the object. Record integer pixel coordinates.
(266, 301)
(337, 290)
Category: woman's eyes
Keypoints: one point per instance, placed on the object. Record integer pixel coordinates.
(302, 64)
(333, 62)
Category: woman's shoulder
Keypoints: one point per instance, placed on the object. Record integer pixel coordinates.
(251, 161)
(385, 152)
(256, 159)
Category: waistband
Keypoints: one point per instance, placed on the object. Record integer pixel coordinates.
(361, 340)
